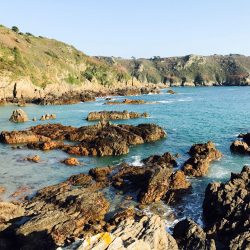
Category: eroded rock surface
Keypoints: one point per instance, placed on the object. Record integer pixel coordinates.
(241, 146)
(97, 140)
(125, 101)
(226, 209)
(114, 115)
(201, 156)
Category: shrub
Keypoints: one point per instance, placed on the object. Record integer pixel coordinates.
(15, 29)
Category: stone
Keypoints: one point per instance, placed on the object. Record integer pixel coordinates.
(241, 146)
(170, 91)
(71, 161)
(125, 101)
(201, 156)
(35, 158)
(226, 210)
(19, 115)
(189, 235)
(101, 174)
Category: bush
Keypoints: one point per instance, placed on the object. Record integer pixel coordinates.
(15, 29)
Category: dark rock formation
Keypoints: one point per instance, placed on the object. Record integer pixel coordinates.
(241, 146)
(201, 156)
(125, 101)
(226, 209)
(114, 115)
(189, 235)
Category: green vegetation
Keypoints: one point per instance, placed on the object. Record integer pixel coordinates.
(45, 61)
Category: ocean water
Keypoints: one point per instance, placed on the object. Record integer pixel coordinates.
(193, 115)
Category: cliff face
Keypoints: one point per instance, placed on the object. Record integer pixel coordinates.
(39, 65)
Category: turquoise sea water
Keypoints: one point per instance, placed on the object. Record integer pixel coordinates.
(193, 115)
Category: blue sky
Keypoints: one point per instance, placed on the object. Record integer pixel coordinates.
(140, 28)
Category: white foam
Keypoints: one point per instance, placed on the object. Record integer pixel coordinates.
(136, 160)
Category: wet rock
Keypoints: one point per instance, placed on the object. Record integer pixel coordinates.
(170, 91)
(19, 115)
(48, 117)
(178, 186)
(125, 101)
(35, 158)
(142, 233)
(2, 190)
(48, 145)
(71, 161)
(241, 146)
(201, 156)
(226, 210)
(191, 236)
(83, 180)
(114, 115)
(16, 137)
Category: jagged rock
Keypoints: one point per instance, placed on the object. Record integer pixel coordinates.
(170, 91)
(19, 115)
(191, 236)
(114, 115)
(71, 161)
(241, 146)
(162, 160)
(178, 185)
(16, 137)
(201, 156)
(226, 209)
(101, 174)
(97, 140)
(147, 233)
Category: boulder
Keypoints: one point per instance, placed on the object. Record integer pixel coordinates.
(189, 235)
(170, 91)
(19, 115)
(226, 209)
(35, 158)
(201, 156)
(241, 146)
(125, 101)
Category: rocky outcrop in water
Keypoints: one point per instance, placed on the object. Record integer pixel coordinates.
(144, 232)
(97, 140)
(189, 235)
(114, 115)
(125, 101)
(241, 146)
(226, 209)
(201, 156)
(71, 161)
(19, 115)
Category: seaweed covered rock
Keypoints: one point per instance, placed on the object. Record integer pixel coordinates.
(201, 156)
(226, 208)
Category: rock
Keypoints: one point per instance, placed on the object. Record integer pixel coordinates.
(143, 233)
(9, 211)
(34, 119)
(2, 190)
(62, 212)
(71, 162)
(170, 91)
(83, 180)
(178, 186)
(48, 117)
(191, 236)
(201, 156)
(157, 186)
(161, 160)
(16, 137)
(97, 140)
(114, 115)
(101, 174)
(19, 115)
(126, 101)
(35, 158)
(241, 146)
(226, 210)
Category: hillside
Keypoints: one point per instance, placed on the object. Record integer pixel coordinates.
(188, 70)
(42, 65)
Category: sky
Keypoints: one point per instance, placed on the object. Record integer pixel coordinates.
(139, 28)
